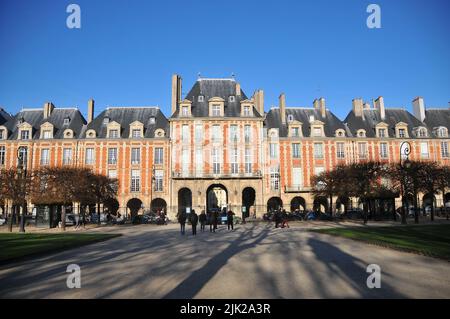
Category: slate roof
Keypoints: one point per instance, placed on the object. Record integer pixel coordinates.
(331, 122)
(5, 119)
(372, 118)
(127, 115)
(209, 88)
(437, 117)
(35, 117)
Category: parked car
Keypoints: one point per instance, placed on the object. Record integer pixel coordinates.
(94, 218)
(2, 220)
(311, 216)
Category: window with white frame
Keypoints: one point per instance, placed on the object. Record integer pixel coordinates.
(185, 133)
(199, 161)
(46, 134)
(422, 132)
(135, 180)
(442, 132)
(362, 150)
(235, 161)
(295, 131)
(66, 121)
(114, 133)
(216, 133)
(296, 150)
(247, 133)
(185, 161)
(340, 150)
(231, 98)
(382, 132)
(317, 131)
(159, 180)
(444, 149)
(273, 150)
(89, 156)
(247, 111)
(136, 133)
(201, 98)
(112, 173)
(159, 155)
(383, 150)
(216, 110)
(318, 150)
(67, 156)
(198, 133)
(274, 178)
(45, 156)
(185, 111)
(234, 137)
(216, 160)
(248, 160)
(297, 180)
(152, 120)
(2, 134)
(135, 156)
(401, 133)
(424, 150)
(24, 134)
(2, 155)
(112, 156)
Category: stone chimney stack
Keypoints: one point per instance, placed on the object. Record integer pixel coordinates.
(90, 112)
(322, 107)
(419, 108)
(48, 109)
(176, 91)
(238, 89)
(358, 107)
(261, 102)
(282, 106)
(379, 105)
(316, 104)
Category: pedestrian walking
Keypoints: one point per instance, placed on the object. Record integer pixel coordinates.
(277, 217)
(215, 216)
(230, 219)
(284, 217)
(182, 220)
(194, 222)
(202, 220)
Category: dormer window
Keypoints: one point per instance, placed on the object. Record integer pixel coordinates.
(2, 134)
(47, 134)
(24, 135)
(382, 132)
(361, 133)
(152, 120)
(185, 111)
(20, 121)
(90, 134)
(68, 133)
(441, 132)
(136, 133)
(316, 131)
(340, 133)
(67, 121)
(247, 111)
(201, 98)
(422, 132)
(231, 98)
(290, 118)
(106, 120)
(401, 133)
(294, 131)
(114, 133)
(215, 110)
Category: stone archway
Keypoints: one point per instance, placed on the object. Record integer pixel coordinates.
(299, 203)
(320, 204)
(111, 205)
(158, 205)
(134, 205)
(274, 203)
(248, 199)
(216, 197)
(184, 199)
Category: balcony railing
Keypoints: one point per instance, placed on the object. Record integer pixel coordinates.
(296, 189)
(222, 174)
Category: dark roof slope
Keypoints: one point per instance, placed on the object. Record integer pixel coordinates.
(127, 115)
(372, 117)
(4, 116)
(209, 88)
(437, 117)
(35, 117)
(303, 115)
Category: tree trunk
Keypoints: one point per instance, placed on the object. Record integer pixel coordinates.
(432, 209)
(331, 206)
(22, 219)
(10, 219)
(17, 210)
(416, 212)
(98, 212)
(63, 217)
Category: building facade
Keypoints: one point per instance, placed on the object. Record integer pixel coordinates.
(220, 148)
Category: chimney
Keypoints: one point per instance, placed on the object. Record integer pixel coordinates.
(316, 104)
(419, 108)
(90, 112)
(282, 106)
(261, 102)
(322, 106)
(238, 89)
(379, 105)
(176, 91)
(48, 109)
(358, 107)
(366, 106)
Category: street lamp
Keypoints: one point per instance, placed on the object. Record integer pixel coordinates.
(405, 150)
(22, 174)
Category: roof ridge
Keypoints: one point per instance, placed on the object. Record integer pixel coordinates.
(132, 107)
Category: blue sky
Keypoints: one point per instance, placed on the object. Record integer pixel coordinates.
(126, 51)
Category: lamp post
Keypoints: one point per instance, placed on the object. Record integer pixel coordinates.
(405, 150)
(22, 174)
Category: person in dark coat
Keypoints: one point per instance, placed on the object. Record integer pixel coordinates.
(215, 216)
(202, 220)
(210, 217)
(182, 220)
(277, 217)
(194, 222)
(230, 219)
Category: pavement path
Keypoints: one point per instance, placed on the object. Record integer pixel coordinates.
(253, 261)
